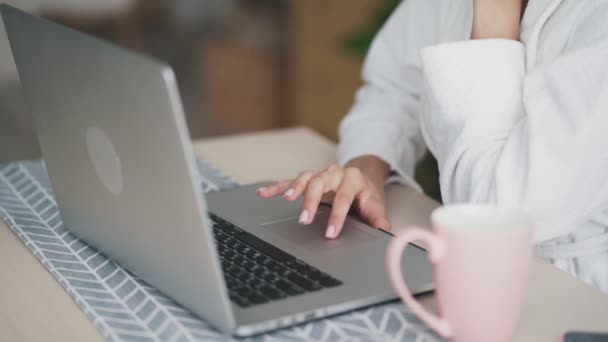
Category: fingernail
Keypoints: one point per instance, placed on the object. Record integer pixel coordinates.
(289, 193)
(304, 216)
(261, 189)
(331, 231)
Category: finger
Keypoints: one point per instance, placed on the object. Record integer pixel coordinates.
(274, 189)
(316, 188)
(376, 215)
(299, 185)
(343, 200)
(352, 184)
(373, 211)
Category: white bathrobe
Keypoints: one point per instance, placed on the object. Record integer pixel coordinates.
(518, 123)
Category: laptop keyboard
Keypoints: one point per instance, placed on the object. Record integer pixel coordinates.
(257, 272)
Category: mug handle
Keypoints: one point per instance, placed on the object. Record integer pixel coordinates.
(394, 254)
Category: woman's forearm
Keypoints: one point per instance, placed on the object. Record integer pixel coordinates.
(496, 19)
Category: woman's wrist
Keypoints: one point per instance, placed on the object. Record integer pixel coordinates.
(496, 19)
(374, 168)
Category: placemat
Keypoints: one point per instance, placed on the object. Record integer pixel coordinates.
(125, 308)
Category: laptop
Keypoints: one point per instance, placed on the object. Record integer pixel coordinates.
(117, 150)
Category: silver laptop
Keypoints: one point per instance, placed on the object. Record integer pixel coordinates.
(117, 150)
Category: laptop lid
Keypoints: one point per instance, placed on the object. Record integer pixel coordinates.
(117, 150)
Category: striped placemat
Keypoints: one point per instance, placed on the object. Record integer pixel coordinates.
(123, 307)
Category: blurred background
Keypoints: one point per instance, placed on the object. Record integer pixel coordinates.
(241, 65)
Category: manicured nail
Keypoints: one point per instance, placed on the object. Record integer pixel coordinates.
(289, 193)
(304, 217)
(331, 231)
(260, 190)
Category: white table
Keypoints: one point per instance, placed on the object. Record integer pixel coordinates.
(35, 307)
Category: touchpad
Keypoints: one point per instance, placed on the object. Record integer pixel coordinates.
(312, 237)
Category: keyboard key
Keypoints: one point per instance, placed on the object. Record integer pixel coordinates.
(228, 254)
(234, 271)
(258, 271)
(230, 229)
(271, 278)
(226, 264)
(256, 299)
(239, 247)
(216, 218)
(298, 265)
(271, 264)
(221, 237)
(238, 259)
(233, 284)
(255, 283)
(303, 282)
(328, 281)
(241, 302)
(271, 293)
(233, 260)
(248, 265)
(231, 243)
(244, 292)
(315, 275)
(263, 260)
(253, 254)
(264, 247)
(242, 248)
(244, 276)
(275, 267)
(229, 269)
(288, 287)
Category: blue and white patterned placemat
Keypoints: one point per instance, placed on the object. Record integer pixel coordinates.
(123, 307)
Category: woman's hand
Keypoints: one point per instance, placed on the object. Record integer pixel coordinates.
(359, 183)
(497, 19)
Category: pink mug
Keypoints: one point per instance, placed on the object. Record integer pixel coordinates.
(481, 256)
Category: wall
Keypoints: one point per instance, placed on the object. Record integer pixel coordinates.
(324, 75)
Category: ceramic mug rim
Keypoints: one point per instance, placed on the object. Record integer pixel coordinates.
(477, 218)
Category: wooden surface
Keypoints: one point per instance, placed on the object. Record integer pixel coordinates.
(34, 307)
(323, 74)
